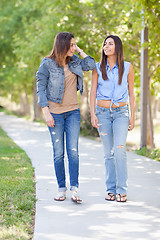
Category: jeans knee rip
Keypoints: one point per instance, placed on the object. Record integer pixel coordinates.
(74, 149)
(120, 146)
(103, 134)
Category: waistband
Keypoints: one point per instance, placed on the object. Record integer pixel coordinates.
(117, 104)
(113, 109)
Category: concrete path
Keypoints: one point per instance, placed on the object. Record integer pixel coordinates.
(95, 218)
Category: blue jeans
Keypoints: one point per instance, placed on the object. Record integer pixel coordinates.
(68, 123)
(113, 129)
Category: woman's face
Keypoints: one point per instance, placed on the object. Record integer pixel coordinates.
(109, 47)
(72, 48)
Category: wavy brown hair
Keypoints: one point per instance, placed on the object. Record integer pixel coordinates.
(119, 53)
(61, 47)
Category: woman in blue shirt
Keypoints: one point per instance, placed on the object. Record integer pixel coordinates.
(59, 77)
(111, 91)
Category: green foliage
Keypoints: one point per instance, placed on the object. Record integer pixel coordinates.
(86, 128)
(17, 195)
(153, 154)
(28, 29)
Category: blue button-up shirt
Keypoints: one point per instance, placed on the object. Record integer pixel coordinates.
(110, 89)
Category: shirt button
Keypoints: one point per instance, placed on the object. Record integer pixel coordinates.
(60, 91)
(61, 83)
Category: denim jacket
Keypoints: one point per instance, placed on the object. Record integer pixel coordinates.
(51, 78)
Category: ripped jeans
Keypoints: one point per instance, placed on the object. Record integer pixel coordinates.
(113, 129)
(68, 123)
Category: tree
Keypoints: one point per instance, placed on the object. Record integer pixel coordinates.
(29, 27)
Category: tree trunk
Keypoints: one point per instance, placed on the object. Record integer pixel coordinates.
(36, 107)
(150, 131)
(86, 126)
(155, 108)
(27, 104)
(84, 102)
(22, 104)
(136, 110)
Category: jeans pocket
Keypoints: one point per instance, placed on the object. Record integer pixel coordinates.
(98, 110)
(124, 112)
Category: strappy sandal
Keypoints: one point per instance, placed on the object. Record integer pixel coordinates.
(110, 197)
(74, 197)
(61, 196)
(121, 198)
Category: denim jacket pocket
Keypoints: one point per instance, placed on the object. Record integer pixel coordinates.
(53, 75)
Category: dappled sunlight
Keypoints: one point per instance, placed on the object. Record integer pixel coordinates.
(44, 177)
(58, 208)
(139, 167)
(48, 145)
(95, 218)
(98, 165)
(86, 164)
(61, 236)
(91, 144)
(77, 213)
(83, 154)
(104, 220)
(89, 179)
(92, 164)
(94, 194)
(137, 186)
(119, 228)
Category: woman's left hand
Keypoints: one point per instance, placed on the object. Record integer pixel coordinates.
(77, 49)
(131, 124)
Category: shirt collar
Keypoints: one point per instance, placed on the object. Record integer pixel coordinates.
(116, 65)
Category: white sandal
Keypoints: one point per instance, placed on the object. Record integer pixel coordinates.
(61, 196)
(74, 197)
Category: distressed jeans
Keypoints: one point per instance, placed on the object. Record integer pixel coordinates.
(113, 129)
(66, 125)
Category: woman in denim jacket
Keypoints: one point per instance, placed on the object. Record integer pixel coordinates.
(113, 87)
(58, 79)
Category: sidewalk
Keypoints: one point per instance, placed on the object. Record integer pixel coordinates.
(95, 218)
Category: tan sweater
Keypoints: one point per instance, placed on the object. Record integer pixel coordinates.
(70, 99)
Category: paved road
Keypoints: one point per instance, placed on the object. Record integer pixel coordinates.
(95, 218)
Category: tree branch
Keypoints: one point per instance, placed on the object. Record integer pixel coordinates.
(151, 10)
(151, 74)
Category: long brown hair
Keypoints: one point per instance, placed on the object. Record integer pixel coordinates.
(119, 53)
(61, 47)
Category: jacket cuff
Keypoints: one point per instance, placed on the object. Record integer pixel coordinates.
(90, 62)
(43, 104)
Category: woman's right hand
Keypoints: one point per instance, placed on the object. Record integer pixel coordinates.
(49, 120)
(48, 117)
(94, 121)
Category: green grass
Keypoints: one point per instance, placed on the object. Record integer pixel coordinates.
(153, 154)
(9, 112)
(17, 191)
(157, 129)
